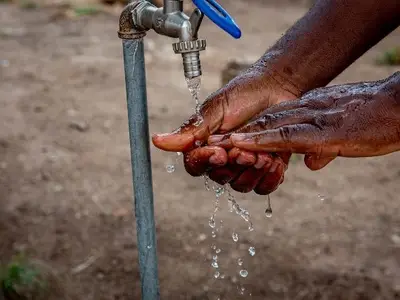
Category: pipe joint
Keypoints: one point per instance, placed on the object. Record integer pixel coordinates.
(127, 29)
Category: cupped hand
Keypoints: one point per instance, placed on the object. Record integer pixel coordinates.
(353, 120)
(229, 108)
(232, 106)
(244, 171)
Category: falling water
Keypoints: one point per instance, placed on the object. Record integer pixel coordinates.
(268, 211)
(193, 85)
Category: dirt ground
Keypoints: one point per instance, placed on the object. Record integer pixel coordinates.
(65, 181)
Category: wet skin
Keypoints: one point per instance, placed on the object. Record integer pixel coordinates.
(322, 44)
(352, 120)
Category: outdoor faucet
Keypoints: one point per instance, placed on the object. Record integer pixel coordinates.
(171, 21)
(136, 19)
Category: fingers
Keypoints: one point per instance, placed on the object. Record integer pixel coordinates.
(247, 180)
(270, 181)
(196, 128)
(199, 160)
(266, 122)
(238, 162)
(301, 138)
(226, 174)
(314, 163)
(241, 157)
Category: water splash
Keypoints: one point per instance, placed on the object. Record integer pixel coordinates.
(241, 290)
(170, 168)
(244, 273)
(235, 207)
(252, 251)
(235, 237)
(206, 182)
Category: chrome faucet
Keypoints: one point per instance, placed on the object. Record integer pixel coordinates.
(171, 21)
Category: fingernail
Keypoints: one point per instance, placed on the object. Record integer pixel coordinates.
(238, 137)
(215, 138)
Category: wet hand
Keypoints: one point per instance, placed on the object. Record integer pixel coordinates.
(244, 171)
(354, 120)
(230, 107)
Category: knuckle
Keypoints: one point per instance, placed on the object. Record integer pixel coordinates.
(321, 121)
(285, 134)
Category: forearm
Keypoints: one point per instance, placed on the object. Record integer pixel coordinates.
(329, 38)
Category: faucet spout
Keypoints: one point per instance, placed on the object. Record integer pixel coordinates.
(171, 21)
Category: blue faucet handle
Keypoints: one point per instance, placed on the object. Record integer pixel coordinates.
(219, 16)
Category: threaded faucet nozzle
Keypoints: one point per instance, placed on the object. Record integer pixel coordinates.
(191, 64)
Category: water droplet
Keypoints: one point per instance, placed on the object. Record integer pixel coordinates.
(321, 197)
(206, 182)
(218, 251)
(211, 223)
(216, 274)
(252, 251)
(251, 227)
(198, 143)
(235, 237)
(243, 273)
(213, 234)
(148, 246)
(268, 211)
(222, 276)
(213, 247)
(214, 264)
(219, 191)
(240, 261)
(215, 257)
(241, 290)
(170, 168)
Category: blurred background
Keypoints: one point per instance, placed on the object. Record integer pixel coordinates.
(66, 225)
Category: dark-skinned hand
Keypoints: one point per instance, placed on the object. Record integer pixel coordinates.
(353, 120)
(234, 105)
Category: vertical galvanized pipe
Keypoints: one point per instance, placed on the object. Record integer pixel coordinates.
(135, 79)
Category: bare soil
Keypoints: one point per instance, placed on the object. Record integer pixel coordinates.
(65, 181)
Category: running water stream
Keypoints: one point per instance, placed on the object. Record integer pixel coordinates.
(194, 85)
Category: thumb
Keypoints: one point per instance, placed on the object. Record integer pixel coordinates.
(196, 129)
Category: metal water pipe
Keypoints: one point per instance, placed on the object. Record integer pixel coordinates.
(136, 19)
